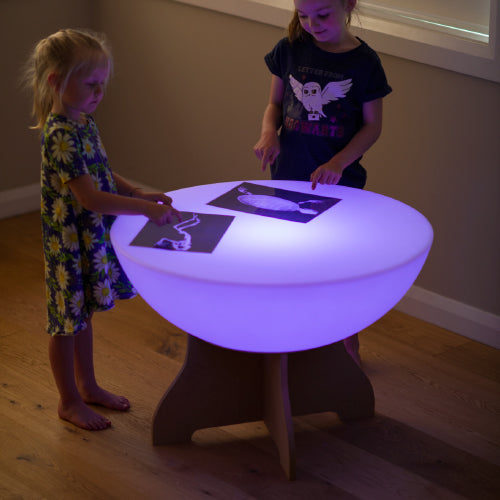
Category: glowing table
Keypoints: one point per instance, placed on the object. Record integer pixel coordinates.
(266, 310)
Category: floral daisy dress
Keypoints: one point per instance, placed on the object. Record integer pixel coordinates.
(82, 271)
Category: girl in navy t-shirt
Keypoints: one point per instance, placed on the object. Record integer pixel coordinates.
(325, 106)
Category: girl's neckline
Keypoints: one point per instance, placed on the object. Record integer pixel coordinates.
(83, 122)
(339, 52)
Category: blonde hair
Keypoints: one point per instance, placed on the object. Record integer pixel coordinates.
(297, 32)
(63, 53)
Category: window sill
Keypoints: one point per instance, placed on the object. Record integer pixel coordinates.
(437, 48)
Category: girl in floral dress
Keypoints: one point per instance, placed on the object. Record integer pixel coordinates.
(81, 196)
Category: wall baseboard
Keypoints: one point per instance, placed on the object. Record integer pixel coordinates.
(455, 316)
(19, 201)
(447, 313)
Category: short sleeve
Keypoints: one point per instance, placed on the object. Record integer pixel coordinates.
(63, 147)
(277, 58)
(377, 82)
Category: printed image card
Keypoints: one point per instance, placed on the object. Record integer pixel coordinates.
(195, 233)
(274, 202)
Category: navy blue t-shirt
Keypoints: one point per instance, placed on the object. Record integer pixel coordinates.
(322, 105)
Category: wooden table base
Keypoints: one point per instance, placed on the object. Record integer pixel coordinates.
(218, 386)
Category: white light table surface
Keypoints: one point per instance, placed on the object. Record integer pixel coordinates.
(265, 311)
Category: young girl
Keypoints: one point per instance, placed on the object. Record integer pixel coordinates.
(68, 72)
(326, 97)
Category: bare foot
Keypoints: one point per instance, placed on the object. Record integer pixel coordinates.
(82, 416)
(99, 396)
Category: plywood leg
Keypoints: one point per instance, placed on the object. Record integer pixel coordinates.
(218, 386)
(215, 387)
(277, 412)
(327, 379)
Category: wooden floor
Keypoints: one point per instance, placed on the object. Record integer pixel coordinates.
(436, 433)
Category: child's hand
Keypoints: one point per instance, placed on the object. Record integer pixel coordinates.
(157, 197)
(327, 173)
(267, 149)
(162, 214)
(162, 211)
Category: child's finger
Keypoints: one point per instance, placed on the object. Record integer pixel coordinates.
(314, 179)
(177, 214)
(170, 214)
(266, 160)
(335, 179)
(269, 158)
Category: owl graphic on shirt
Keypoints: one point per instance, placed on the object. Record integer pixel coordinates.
(313, 97)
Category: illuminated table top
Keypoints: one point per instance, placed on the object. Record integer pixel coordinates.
(275, 285)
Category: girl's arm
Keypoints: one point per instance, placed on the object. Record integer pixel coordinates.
(116, 204)
(331, 171)
(268, 147)
(126, 189)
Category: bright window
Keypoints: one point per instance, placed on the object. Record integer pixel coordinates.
(461, 18)
(460, 35)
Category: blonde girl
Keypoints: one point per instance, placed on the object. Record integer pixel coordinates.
(68, 72)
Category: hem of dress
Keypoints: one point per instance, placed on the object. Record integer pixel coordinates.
(84, 323)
